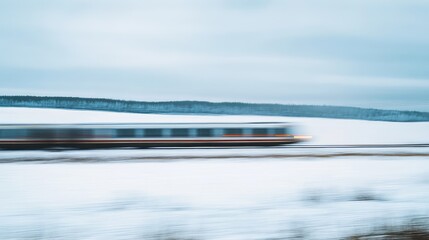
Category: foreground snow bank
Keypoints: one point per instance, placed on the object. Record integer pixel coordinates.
(258, 199)
(324, 131)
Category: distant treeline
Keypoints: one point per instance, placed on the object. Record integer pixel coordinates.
(200, 107)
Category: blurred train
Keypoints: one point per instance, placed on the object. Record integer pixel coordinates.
(145, 135)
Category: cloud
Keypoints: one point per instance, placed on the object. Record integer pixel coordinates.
(323, 52)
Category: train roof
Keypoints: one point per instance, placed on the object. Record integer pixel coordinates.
(149, 125)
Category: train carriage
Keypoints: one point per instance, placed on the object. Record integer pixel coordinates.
(145, 135)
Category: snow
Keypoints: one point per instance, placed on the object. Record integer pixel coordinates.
(324, 131)
(247, 193)
(218, 200)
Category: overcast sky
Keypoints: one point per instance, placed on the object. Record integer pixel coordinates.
(369, 53)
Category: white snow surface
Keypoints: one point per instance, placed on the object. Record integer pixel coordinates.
(256, 193)
(324, 131)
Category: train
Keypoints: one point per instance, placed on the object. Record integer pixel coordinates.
(146, 135)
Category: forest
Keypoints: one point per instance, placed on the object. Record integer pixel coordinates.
(221, 108)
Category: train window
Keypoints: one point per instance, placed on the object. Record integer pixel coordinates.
(12, 133)
(60, 133)
(139, 133)
(279, 131)
(233, 131)
(179, 132)
(103, 133)
(153, 132)
(66, 133)
(125, 133)
(42, 133)
(260, 131)
(204, 132)
(79, 133)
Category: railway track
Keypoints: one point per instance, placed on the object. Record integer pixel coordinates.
(299, 146)
(309, 146)
(361, 146)
(164, 154)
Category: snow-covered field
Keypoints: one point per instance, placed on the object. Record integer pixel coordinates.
(258, 193)
(324, 131)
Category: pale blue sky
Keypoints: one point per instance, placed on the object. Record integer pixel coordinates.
(358, 52)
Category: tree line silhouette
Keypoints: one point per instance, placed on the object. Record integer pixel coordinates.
(202, 107)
